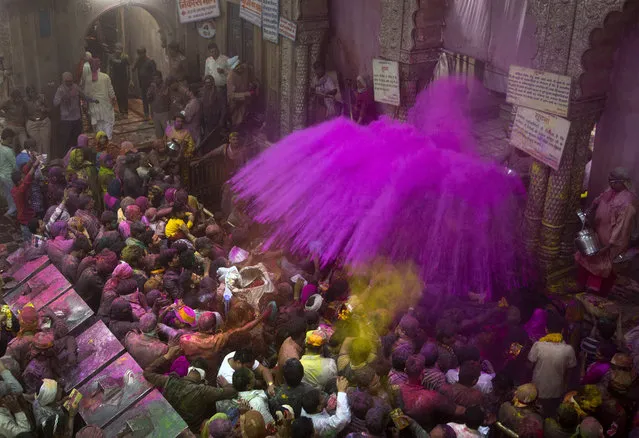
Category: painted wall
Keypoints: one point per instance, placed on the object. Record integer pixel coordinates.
(354, 36)
(499, 32)
(618, 128)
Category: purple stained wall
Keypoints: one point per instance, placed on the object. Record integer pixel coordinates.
(618, 128)
(499, 32)
(354, 37)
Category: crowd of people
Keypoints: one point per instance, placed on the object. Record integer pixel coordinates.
(253, 342)
(283, 350)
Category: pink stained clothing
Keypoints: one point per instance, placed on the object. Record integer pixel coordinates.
(614, 219)
(136, 305)
(58, 248)
(536, 325)
(307, 291)
(144, 348)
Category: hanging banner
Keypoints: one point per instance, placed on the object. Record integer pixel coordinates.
(197, 10)
(386, 81)
(270, 20)
(540, 90)
(251, 11)
(543, 136)
(288, 29)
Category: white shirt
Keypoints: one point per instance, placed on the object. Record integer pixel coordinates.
(211, 66)
(552, 360)
(330, 425)
(484, 384)
(463, 431)
(227, 371)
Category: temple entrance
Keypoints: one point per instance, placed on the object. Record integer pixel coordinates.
(132, 27)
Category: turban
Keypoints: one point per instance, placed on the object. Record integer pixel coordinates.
(28, 318)
(307, 291)
(132, 254)
(252, 425)
(525, 394)
(219, 426)
(83, 140)
(208, 322)
(169, 195)
(180, 366)
(186, 315)
(133, 212)
(122, 271)
(106, 262)
(59, 228)
(142, 202)
(48, 392)
(315, 338)
(43, 340)
(148, 322)
(100, 135)
(152, 284)
(121, 310)
(126, 286)
(152, 296)
(314, 303)
(409, 325)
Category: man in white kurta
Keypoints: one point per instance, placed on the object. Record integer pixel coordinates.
(102, 113)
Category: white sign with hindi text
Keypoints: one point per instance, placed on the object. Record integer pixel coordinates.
(543, 136)
(540, 90)
(197, 10)
(251, 11)
(270, 20)
(288, 29)
(386, 81)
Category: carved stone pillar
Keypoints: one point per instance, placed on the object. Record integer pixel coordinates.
(411, 34)
(584, 115)
(539, 174)
(559, 222)
(311, 17)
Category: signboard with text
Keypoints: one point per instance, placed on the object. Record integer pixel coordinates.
(540, 90)
(543, 136)
(386, 81)
(251, 11)
(197, 10)
(288, 29)
(270, 20)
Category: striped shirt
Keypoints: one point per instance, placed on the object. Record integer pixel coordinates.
(433, 379)
(589, 346)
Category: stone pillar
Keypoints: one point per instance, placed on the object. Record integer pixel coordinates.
(584, 114)
(298, 57)
(411, 34)
(559, 222)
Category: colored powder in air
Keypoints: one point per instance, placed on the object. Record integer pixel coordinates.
(397, 191)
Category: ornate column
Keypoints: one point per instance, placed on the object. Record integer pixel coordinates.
(311, 17)
(584, 114)
(411, 33)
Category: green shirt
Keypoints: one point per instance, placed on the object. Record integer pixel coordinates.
(7, 162)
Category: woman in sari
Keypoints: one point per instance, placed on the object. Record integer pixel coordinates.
(614, 214)
(80, 168)
(105, 173)
(103, 144)
(178, 133)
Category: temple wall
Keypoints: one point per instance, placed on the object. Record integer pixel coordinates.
(618, 128)
(354, 36)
